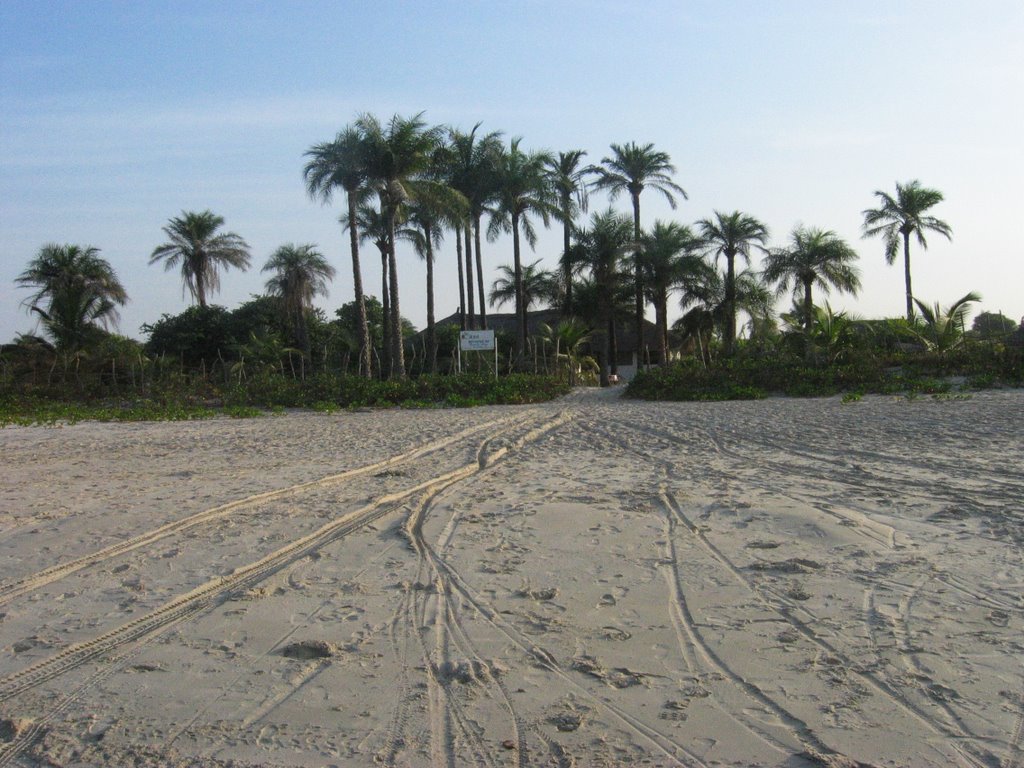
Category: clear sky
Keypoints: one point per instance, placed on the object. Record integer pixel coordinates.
(116, 116)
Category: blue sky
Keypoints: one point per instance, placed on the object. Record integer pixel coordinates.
(116, 116)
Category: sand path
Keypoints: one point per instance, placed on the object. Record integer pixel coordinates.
(592, 582)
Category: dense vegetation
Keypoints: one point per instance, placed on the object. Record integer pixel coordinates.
(406, 182)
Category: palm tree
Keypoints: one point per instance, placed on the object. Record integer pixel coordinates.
(301, 273)
(731, 235)
(470, 162)
(568, 339)
(896, 219)
(373, 228)
(632, 168)
(670, 260)
(399, 156)
(342, 164)
(523, 190)
(814, 257)
(707, 309)
(539, 285)
(75, 292)
(568, 179)
(201, 251)
(944, 328)
(603, 246)
(428, 216)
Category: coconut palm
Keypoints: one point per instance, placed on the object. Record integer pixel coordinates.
(815, 257)
(943, 329)
(301, 273)
(341, 164)
(399, 156)
(523, 191)
(539, 286)
(707, 310)
(469, 161)
(372, 227)
(200, 251)
(427, 218)
(568, 339)
(897, 218)
(670, 259)
(603, 248)
(567, 177)
(731, 235)
(76, 292)
(632, 168)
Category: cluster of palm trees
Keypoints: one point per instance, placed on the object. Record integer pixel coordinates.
(405, 180)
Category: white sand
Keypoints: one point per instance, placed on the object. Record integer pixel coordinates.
(592, 582)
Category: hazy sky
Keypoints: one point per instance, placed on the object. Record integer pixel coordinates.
(116, 116)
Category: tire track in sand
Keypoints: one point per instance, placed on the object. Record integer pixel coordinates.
(14, 589)
(188, 605)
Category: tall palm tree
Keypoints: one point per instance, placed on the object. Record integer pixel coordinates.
(470, 169)
(814, 257)
(632, 168)
(436, 208)
(75, 292)
(539, 286)
(341, 164)
(373, 228)
(399, 156)
(603, 248)
(523, 191)
(569, 179)
(670, 259)
(731, 235)
(301, 273)
(897, 218)
(201, 251)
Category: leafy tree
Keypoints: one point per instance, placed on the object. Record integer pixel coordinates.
(523, 191)
(897, 218)
(632, 168)
(992, 325)
(731, 235)
(568, 177)
(603, 246)
(200, 251)
(670, 260)
(342, 164)
(399, 158)
(815, 257)
(75, 294)
(198, 336)
(300, 274)
(539, 286)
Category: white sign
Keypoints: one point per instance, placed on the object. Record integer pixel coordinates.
(476, 341)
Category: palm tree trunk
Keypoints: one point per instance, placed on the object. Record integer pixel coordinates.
(357, 286)
(397, 345)
(471, 299)
(431, 362)
(480, 275)
(661, 320)
(639, 277)
(520, 304)
(462, 282)
(906, 273)
(808, 312)
(385, 325)
(566, 266)
(730, 303)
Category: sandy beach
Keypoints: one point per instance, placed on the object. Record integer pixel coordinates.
(590, 582)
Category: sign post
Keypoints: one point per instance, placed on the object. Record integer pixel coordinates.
(478, 341)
